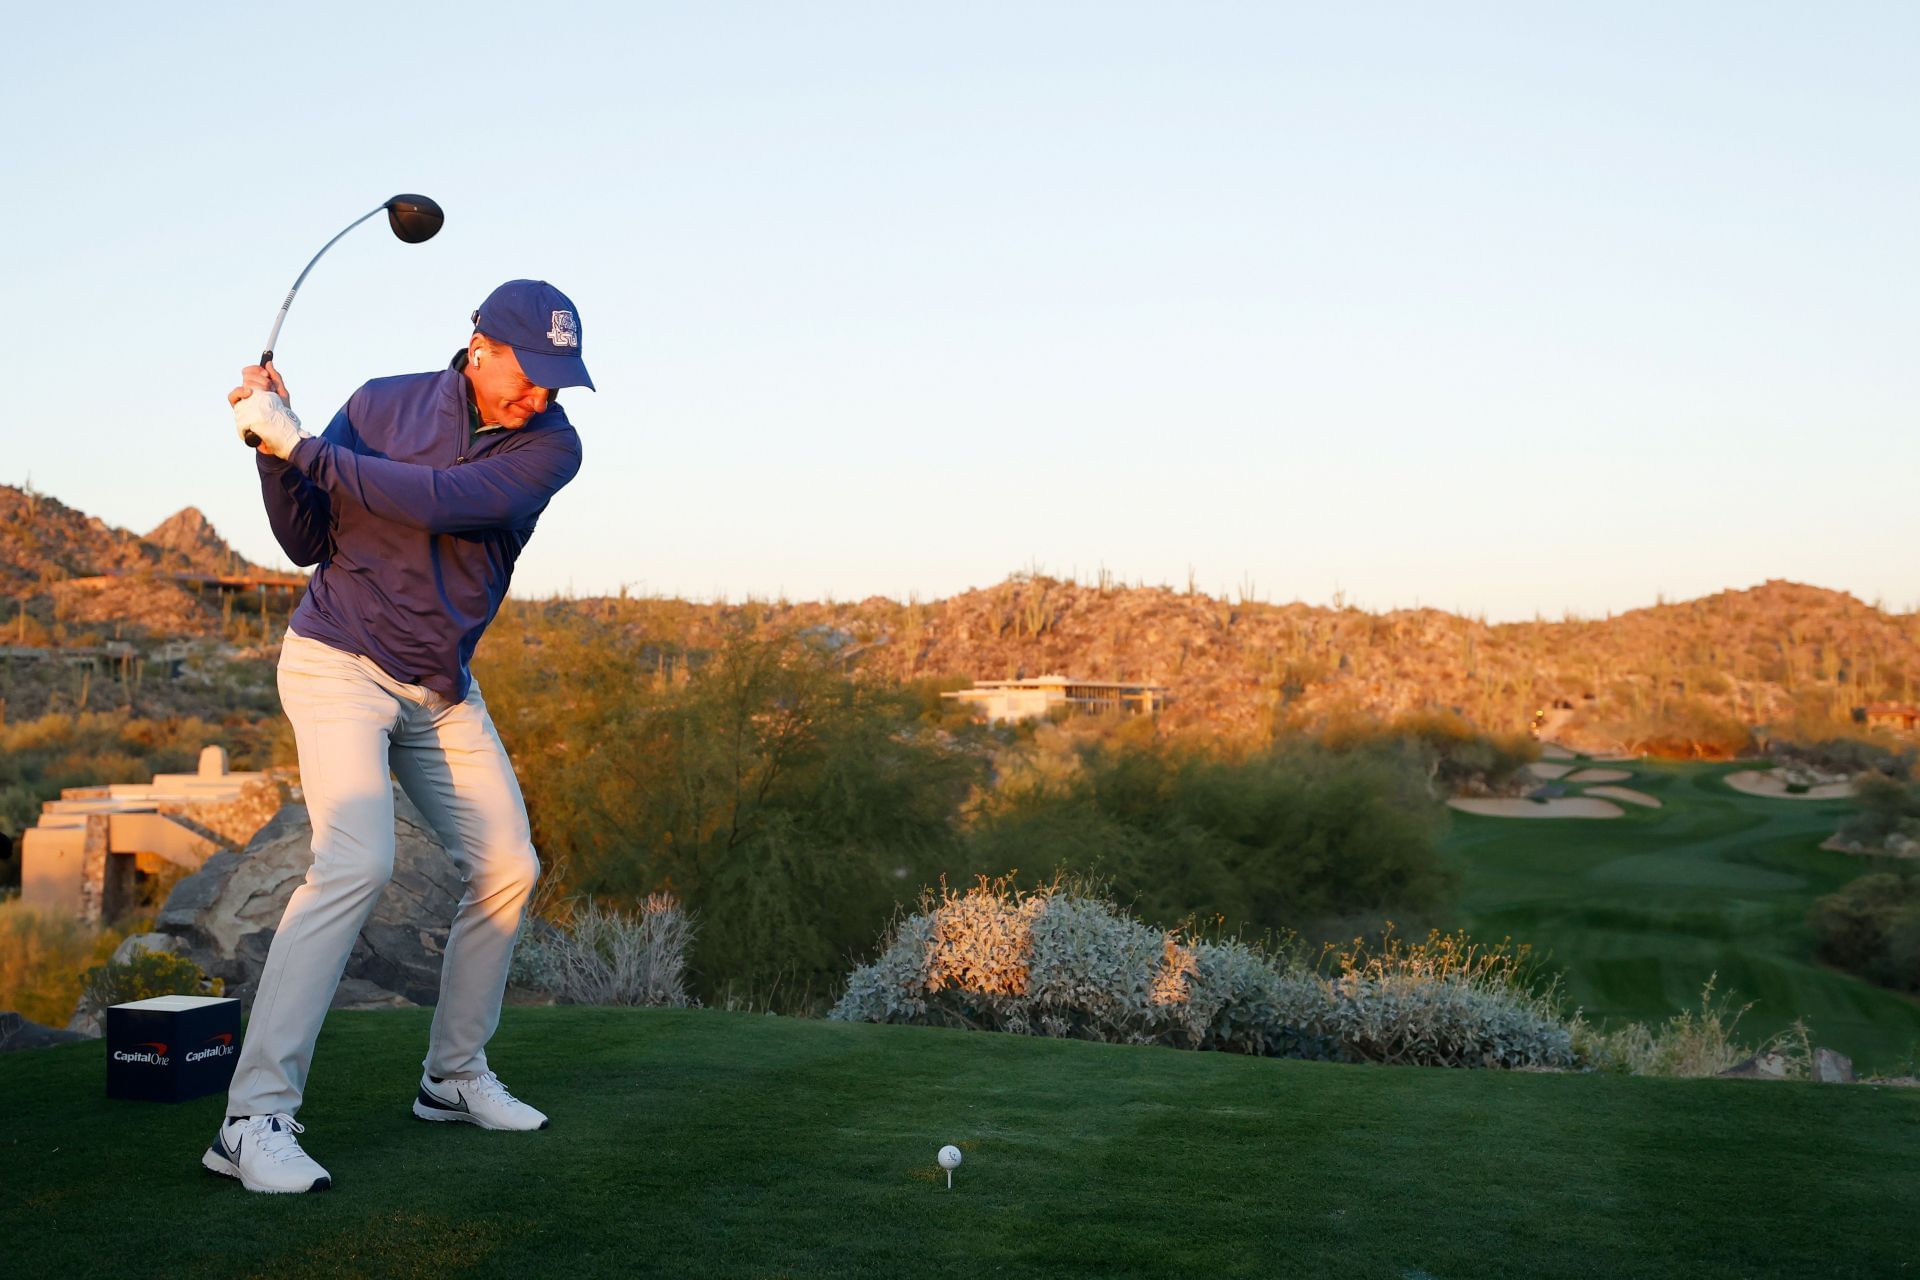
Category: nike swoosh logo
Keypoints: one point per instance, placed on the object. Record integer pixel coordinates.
(435, 1100)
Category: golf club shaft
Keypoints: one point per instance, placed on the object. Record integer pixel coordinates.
(273, 336)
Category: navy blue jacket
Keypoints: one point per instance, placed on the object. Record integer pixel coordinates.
(414, 526)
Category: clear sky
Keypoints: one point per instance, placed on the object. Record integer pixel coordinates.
(1503, 308)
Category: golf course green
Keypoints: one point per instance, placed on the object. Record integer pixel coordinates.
(1639, 911)
(701, 1143)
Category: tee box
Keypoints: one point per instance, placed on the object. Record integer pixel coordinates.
(172, 1048)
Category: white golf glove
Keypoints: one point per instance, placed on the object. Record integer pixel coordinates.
(267, 416)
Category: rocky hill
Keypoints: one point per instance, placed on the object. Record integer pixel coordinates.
(42, 541)
(191, 537)
(1797, 658)
(72, 577)
(1684, 677)
(94, 617)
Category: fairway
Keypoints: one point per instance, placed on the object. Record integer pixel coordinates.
(1640, 910)
(710, 1144)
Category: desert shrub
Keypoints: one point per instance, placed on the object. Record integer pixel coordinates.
(1694, 1042)
(1268, 841)
(1061, 961)
(1872, 927)
(1456, 757)
(1444, 1002)
(1687, 729)
(608, 957)
(1691, 729)
(42, 958)
(1886, 812)
(1057, 962)
(143, 975)
(1902, 967)
(1846, 756)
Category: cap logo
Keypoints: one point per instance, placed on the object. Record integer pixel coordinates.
(565, 331)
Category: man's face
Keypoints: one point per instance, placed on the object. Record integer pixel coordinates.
(501, 391)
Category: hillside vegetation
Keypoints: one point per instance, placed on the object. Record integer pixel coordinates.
(1688, 679)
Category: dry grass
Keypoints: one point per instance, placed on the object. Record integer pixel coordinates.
(1694, 1042)
(43, 960)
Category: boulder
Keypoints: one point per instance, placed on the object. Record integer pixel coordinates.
(225, 915)
(1832, 1068)
(17, 1033)
(1761, 1066)
(147, 942)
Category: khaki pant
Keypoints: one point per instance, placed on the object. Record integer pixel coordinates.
(352, 722)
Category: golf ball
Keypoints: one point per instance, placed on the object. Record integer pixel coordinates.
(949, 1157)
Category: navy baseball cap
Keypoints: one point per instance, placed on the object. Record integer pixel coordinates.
(542, 326)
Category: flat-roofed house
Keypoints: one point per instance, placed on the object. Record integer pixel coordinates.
(1038, 696)
(91, 848)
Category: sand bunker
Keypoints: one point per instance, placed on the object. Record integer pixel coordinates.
(1769, 783)
(1552, 751)
(1600, 775)
(1571, 807)
(1627, 794)
(1548, 772)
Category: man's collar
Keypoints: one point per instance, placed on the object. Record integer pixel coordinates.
(475, 426)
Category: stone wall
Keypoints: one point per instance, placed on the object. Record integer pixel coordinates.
(232, 823)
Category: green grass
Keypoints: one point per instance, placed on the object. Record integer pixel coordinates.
(711, 1144)
(1639, 911)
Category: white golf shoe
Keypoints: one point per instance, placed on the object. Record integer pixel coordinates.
(263, 1153)
(482, 1100)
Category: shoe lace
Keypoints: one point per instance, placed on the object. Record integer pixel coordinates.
(488, 1085)
(277, 1142)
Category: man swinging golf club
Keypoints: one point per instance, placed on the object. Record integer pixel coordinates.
(413, 505)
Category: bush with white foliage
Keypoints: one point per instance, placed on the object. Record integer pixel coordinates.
(1061, 962)
(602, 956)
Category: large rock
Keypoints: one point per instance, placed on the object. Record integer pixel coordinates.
(226, 914)
(1832, 1067)
(17, 1033)
(1761, 1066)
(148, 942)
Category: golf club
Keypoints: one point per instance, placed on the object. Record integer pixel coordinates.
(413, 218)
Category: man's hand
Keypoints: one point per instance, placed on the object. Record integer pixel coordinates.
(257, 378)
(260, 407)
(266, 415)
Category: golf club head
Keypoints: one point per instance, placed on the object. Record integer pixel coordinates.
(414, 218)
